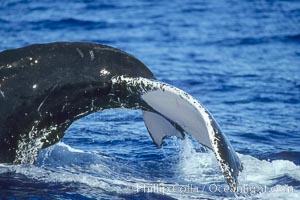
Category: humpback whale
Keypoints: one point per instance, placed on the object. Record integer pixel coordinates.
(46, 87)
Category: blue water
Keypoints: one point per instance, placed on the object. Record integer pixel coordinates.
(241, 59)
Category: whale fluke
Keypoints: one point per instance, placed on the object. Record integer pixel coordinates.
(46, 87)
(174, 113)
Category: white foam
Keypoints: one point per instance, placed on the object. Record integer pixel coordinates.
(197, 166)
(43, 175)
(93, 175)
(295, 194)
(71, 149)
(193, 167)
(259, 179)
(263, 172)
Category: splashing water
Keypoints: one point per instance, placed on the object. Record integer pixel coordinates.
(196, 174)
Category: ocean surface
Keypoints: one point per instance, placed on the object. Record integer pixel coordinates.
(241, 59)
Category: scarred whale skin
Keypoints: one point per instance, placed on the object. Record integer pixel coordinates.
(46, 86)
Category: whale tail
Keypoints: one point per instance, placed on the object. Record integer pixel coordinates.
(44, 88)
(169, 111)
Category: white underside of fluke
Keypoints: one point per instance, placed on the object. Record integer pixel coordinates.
(159, 127)
(174, 105)
(181, 111)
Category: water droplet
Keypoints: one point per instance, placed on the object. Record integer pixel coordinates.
(104, 72)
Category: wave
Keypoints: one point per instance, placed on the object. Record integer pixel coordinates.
(68, 23)
(67, 168)
(258, 40)
(259, 179)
